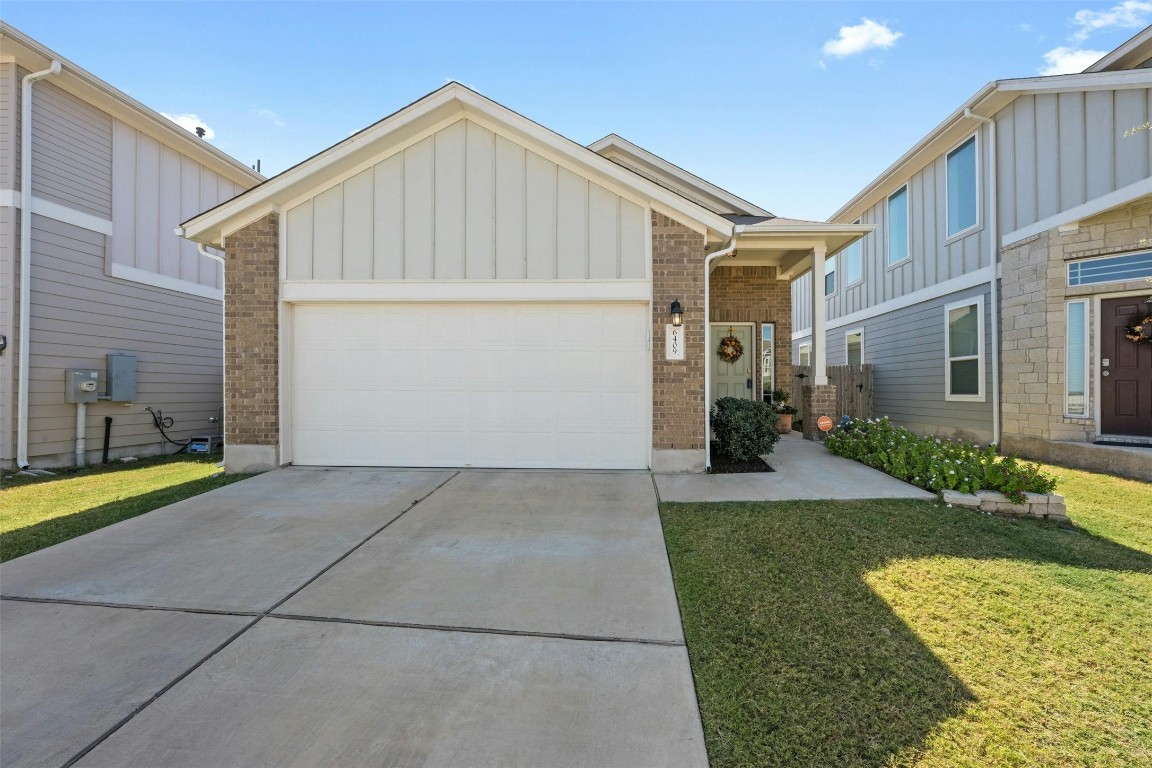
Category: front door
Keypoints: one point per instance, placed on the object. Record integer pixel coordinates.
(1125, 370)
(732, 377)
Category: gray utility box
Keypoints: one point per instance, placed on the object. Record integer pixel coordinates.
(81, 385)
(121, 377)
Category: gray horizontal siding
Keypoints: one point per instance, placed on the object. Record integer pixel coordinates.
(9, 127)
(9, 306)
(906, 348)
(79, 314)
(1058, 151)
(72, 151)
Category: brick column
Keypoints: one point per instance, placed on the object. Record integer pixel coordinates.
(677, 385)
(818, 400)
(252, 347)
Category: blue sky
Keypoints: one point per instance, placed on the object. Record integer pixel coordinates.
(795, 106)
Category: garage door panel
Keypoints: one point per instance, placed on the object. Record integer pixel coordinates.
(528, 385)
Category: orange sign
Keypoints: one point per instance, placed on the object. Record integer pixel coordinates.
(824, 422)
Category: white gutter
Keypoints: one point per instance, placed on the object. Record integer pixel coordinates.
(26, 257)
(994, 286)
(725, 251)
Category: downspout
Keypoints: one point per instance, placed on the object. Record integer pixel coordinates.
(26, 257)
(727, 250)
(994, 285)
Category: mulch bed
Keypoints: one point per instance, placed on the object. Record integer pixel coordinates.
(723, 465)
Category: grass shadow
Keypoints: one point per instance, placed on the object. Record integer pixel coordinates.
(46, 533)
(797, 660)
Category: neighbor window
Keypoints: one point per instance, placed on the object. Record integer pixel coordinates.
(962, 187)
(852, 258)
(830, 276)
(1076, 366)
(854, 347)
(1111, 269)
(964, 349)
(767, 358)
(805, 354)
(898, 226)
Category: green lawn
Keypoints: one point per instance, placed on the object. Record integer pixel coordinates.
(39, 512)
(906, 633)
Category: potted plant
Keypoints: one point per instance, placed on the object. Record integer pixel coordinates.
(784, 412)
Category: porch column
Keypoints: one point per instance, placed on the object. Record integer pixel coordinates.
(819, 369)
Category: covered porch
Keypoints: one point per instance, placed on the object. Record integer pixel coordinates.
(748, 296)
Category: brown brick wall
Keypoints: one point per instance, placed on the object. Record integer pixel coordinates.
(251, 330)
(753, 295)
(819, 400)
(677, 386)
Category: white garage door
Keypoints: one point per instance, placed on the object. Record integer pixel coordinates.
(471, 385)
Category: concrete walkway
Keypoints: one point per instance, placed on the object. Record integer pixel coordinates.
(804, 470)
(356, 617)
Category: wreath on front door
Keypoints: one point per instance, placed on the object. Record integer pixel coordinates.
(1139, 330)
(730, 349)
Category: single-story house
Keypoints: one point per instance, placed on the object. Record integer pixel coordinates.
(457, 285)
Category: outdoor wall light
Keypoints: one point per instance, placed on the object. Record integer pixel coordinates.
(677, 314)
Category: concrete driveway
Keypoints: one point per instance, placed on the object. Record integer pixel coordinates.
(356, 617)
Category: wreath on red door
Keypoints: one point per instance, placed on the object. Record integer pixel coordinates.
(730, 349)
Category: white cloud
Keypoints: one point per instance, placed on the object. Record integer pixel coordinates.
(1129, 14)
(865, 36)
(190, 123)
(1067, 61)
(270, 116)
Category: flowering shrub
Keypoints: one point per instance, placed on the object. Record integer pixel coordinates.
(935, 464)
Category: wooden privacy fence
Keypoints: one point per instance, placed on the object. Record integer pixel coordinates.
(853, 389)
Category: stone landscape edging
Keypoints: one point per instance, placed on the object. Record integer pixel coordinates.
(1047, 506)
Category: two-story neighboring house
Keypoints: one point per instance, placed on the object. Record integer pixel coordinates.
(1011, 252)
(92, 184)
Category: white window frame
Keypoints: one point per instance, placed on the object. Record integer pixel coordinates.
(950, 238)
(771, 351)
(1086, 303)
(835, 277)
(858, 244)
(979, 397)
(854, 332)
(804, 349)
(906, 189)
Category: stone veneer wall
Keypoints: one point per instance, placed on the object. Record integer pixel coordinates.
(678, 386)
(251, 347)
(746, 294)
(1033, 326)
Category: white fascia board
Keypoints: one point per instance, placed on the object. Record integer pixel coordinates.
(465, 290)
(91, 89)
(688, 180)
(208, 227)
(1132, 51)
(1083, 211)
(1092, 81)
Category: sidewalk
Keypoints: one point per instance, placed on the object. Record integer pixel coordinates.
(804, 470)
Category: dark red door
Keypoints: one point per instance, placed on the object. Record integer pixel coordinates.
(1125, 370)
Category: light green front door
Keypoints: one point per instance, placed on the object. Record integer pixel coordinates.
(732, 379)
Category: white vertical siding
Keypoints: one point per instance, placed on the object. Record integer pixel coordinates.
(154, 189)
(466, 203)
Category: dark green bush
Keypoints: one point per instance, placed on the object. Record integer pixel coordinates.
(936, 464)
(744, 429)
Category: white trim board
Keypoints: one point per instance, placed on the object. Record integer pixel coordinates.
(10, 198)
(124, 272)
(961, 283)
(465, 290)
(1082, 211)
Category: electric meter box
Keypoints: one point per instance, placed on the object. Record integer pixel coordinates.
(121, 377)
(81, 385)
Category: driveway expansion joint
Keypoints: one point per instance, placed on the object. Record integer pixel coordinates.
(478, 630)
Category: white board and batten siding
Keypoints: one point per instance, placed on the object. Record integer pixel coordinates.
(466, 203)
